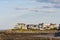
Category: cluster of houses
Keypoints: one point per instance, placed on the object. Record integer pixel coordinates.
(40, 26)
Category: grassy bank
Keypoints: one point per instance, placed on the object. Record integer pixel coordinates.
(24, 36)
(34, 31)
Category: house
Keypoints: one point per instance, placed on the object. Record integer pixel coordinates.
(32, 26)
(53, 25)
(50, 26)
(41, 25)
(21, 26)
(46, 26)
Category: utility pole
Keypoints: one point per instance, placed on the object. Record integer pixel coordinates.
(51, 38)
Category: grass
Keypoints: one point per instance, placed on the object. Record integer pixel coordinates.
(34, 31)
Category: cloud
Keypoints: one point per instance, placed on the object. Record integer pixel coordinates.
(52, 6)
(27, 9)
(35, 10)
(57, 5)
(49, 1)
(22, 8)
(38, 10)
(54, 3)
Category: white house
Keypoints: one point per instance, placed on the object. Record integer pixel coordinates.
(21, 26)
(50, 26)
(43, 26)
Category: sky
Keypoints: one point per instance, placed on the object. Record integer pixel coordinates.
(29, 12)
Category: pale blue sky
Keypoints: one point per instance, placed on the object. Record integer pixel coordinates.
(28, 11)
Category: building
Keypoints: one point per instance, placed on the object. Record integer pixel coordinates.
(21, 26)
(47, 26)
(50, 26)
(53, 25)
(32, 26)
(41, 25)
